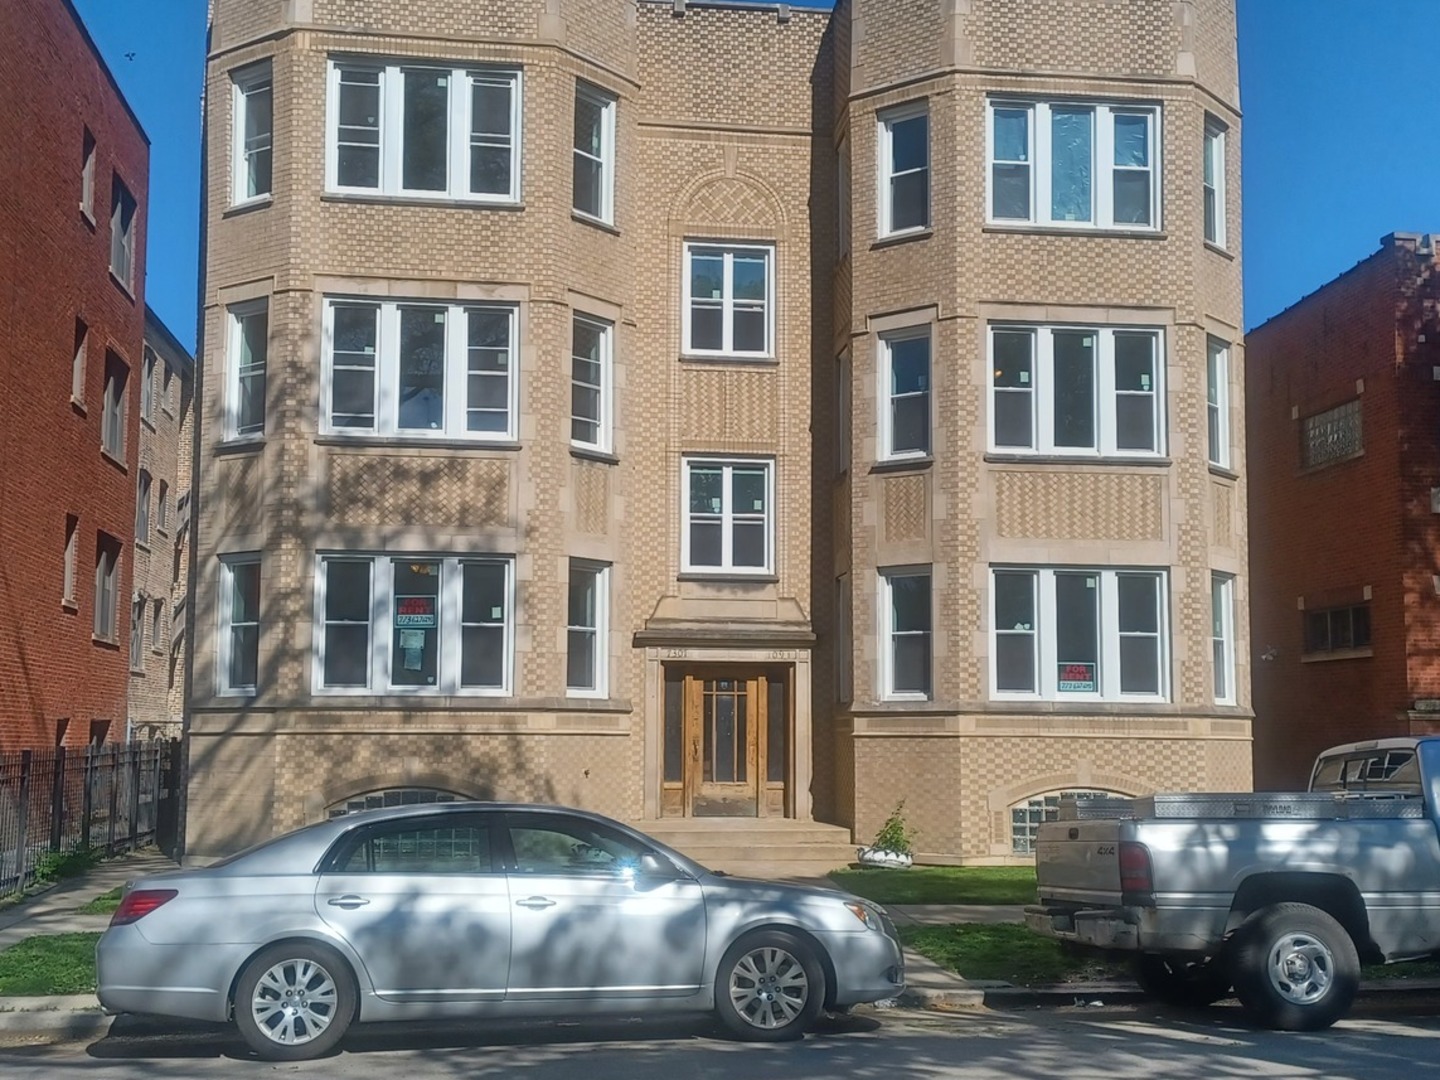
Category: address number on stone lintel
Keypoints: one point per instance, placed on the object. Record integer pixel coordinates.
(784, 654)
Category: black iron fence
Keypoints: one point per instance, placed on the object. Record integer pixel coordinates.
(103, 799)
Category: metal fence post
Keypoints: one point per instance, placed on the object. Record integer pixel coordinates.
(87, 800)
(114, 753)
(57, 801)
(22, 853)
(135, 756)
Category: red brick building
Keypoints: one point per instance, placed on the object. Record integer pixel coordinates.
(73, 184)
(1343, 435)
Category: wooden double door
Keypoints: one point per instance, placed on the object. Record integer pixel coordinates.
(727, 741)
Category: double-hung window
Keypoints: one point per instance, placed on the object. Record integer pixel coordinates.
(1093, 391)
(239, 645)
(1222, 637)
(87, 176)
(1213, 183)
(112, 418)
(249, 346)
(904, 169)
(1066, 633)
(419, 370)
(107, 586)
(122, 234)
(594, 193)
(253, 120)
(905, 417)
(77, 362)
(137, 634)
(424, 130)
(1074, 164)
(142, 509)
(1217, 402)
(729, 521)
(147, 385)
(906, 610)
(414, 624)
(591, 344)
(586, 629)
(729, 300)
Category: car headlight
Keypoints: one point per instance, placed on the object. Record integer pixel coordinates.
(866, 914)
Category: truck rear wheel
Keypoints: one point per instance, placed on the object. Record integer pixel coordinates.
(1295, 967)
(1190, 984)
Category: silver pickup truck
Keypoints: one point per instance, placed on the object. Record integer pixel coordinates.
(1281, 896)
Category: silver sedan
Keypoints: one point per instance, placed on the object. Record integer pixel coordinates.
(468, 909)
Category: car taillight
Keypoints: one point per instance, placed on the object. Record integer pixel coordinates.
(136, 905)
(1135, 873)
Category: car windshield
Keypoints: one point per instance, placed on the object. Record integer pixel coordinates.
(1392, 773)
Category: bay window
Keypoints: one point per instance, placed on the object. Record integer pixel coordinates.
(239, 643)
(420, 370)
(424, 130)
(904, 169)
(907, 624)
(586, 629)
(594, 178)
(1074, 164)
(1076, 391)
(905, 416)
(1072, 633)
(406, 624)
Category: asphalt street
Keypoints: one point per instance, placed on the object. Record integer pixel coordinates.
(1114, 1043)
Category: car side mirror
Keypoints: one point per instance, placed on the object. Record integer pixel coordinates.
(653, 866)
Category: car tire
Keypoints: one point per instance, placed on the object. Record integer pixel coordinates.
(769, 987)
(294, 1001)
(1189, 984)
(1295, 967)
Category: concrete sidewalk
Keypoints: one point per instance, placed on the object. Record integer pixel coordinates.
(56, 909)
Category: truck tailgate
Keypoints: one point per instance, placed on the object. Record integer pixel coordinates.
(1078, 860)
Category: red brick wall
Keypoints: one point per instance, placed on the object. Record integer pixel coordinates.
(54, 267)
(1326, 534)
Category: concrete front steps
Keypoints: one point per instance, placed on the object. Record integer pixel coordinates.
(757, 847)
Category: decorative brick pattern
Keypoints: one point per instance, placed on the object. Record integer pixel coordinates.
(907, 508)
(1078, 506)
(592, 497)
(369, 489)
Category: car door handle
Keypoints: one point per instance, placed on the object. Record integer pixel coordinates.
(535, 903)
(349, 901)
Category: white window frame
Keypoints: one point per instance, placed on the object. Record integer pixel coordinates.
(387, 371)
(1102, 190)
(1042, 392)
(601, 630)
(157, 627)
(381, 629)
(1213, 187)
(142, 508)
(728, 306)
(1046, 681)
(147, 385)
(1222, 597)
(248, 81)
(87, 176)
(391, 133)
(122, 233)
(1217, 402)
(72, 545)
(889, 634)
(727, 568)
(886, 121)
(236, 316)
(608, 105)
(78, 363)
(225, 638)
(887, 397)
(604, 424)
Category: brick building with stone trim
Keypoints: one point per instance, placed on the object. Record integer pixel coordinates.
(1343, 392)
(584, 419)
(158, 600)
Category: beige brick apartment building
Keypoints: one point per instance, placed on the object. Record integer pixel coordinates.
(701, 412)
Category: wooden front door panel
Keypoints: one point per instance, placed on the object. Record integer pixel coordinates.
(725, 721)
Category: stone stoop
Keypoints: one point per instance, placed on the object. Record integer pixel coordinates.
(757, 847)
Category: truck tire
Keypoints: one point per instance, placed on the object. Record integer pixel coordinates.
(1190, 984)
(1295, 967)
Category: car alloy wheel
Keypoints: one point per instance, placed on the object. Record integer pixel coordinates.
(769, 986)
(294, 1001)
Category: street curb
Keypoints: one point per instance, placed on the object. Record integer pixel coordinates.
(75, 1015)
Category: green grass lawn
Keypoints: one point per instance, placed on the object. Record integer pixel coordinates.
(49, 964)
(941, 884)
(104, 904)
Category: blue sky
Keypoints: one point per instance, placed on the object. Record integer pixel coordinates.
(1341, 135)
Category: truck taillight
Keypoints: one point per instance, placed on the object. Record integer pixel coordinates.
(139, 903)
(1135, 873)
